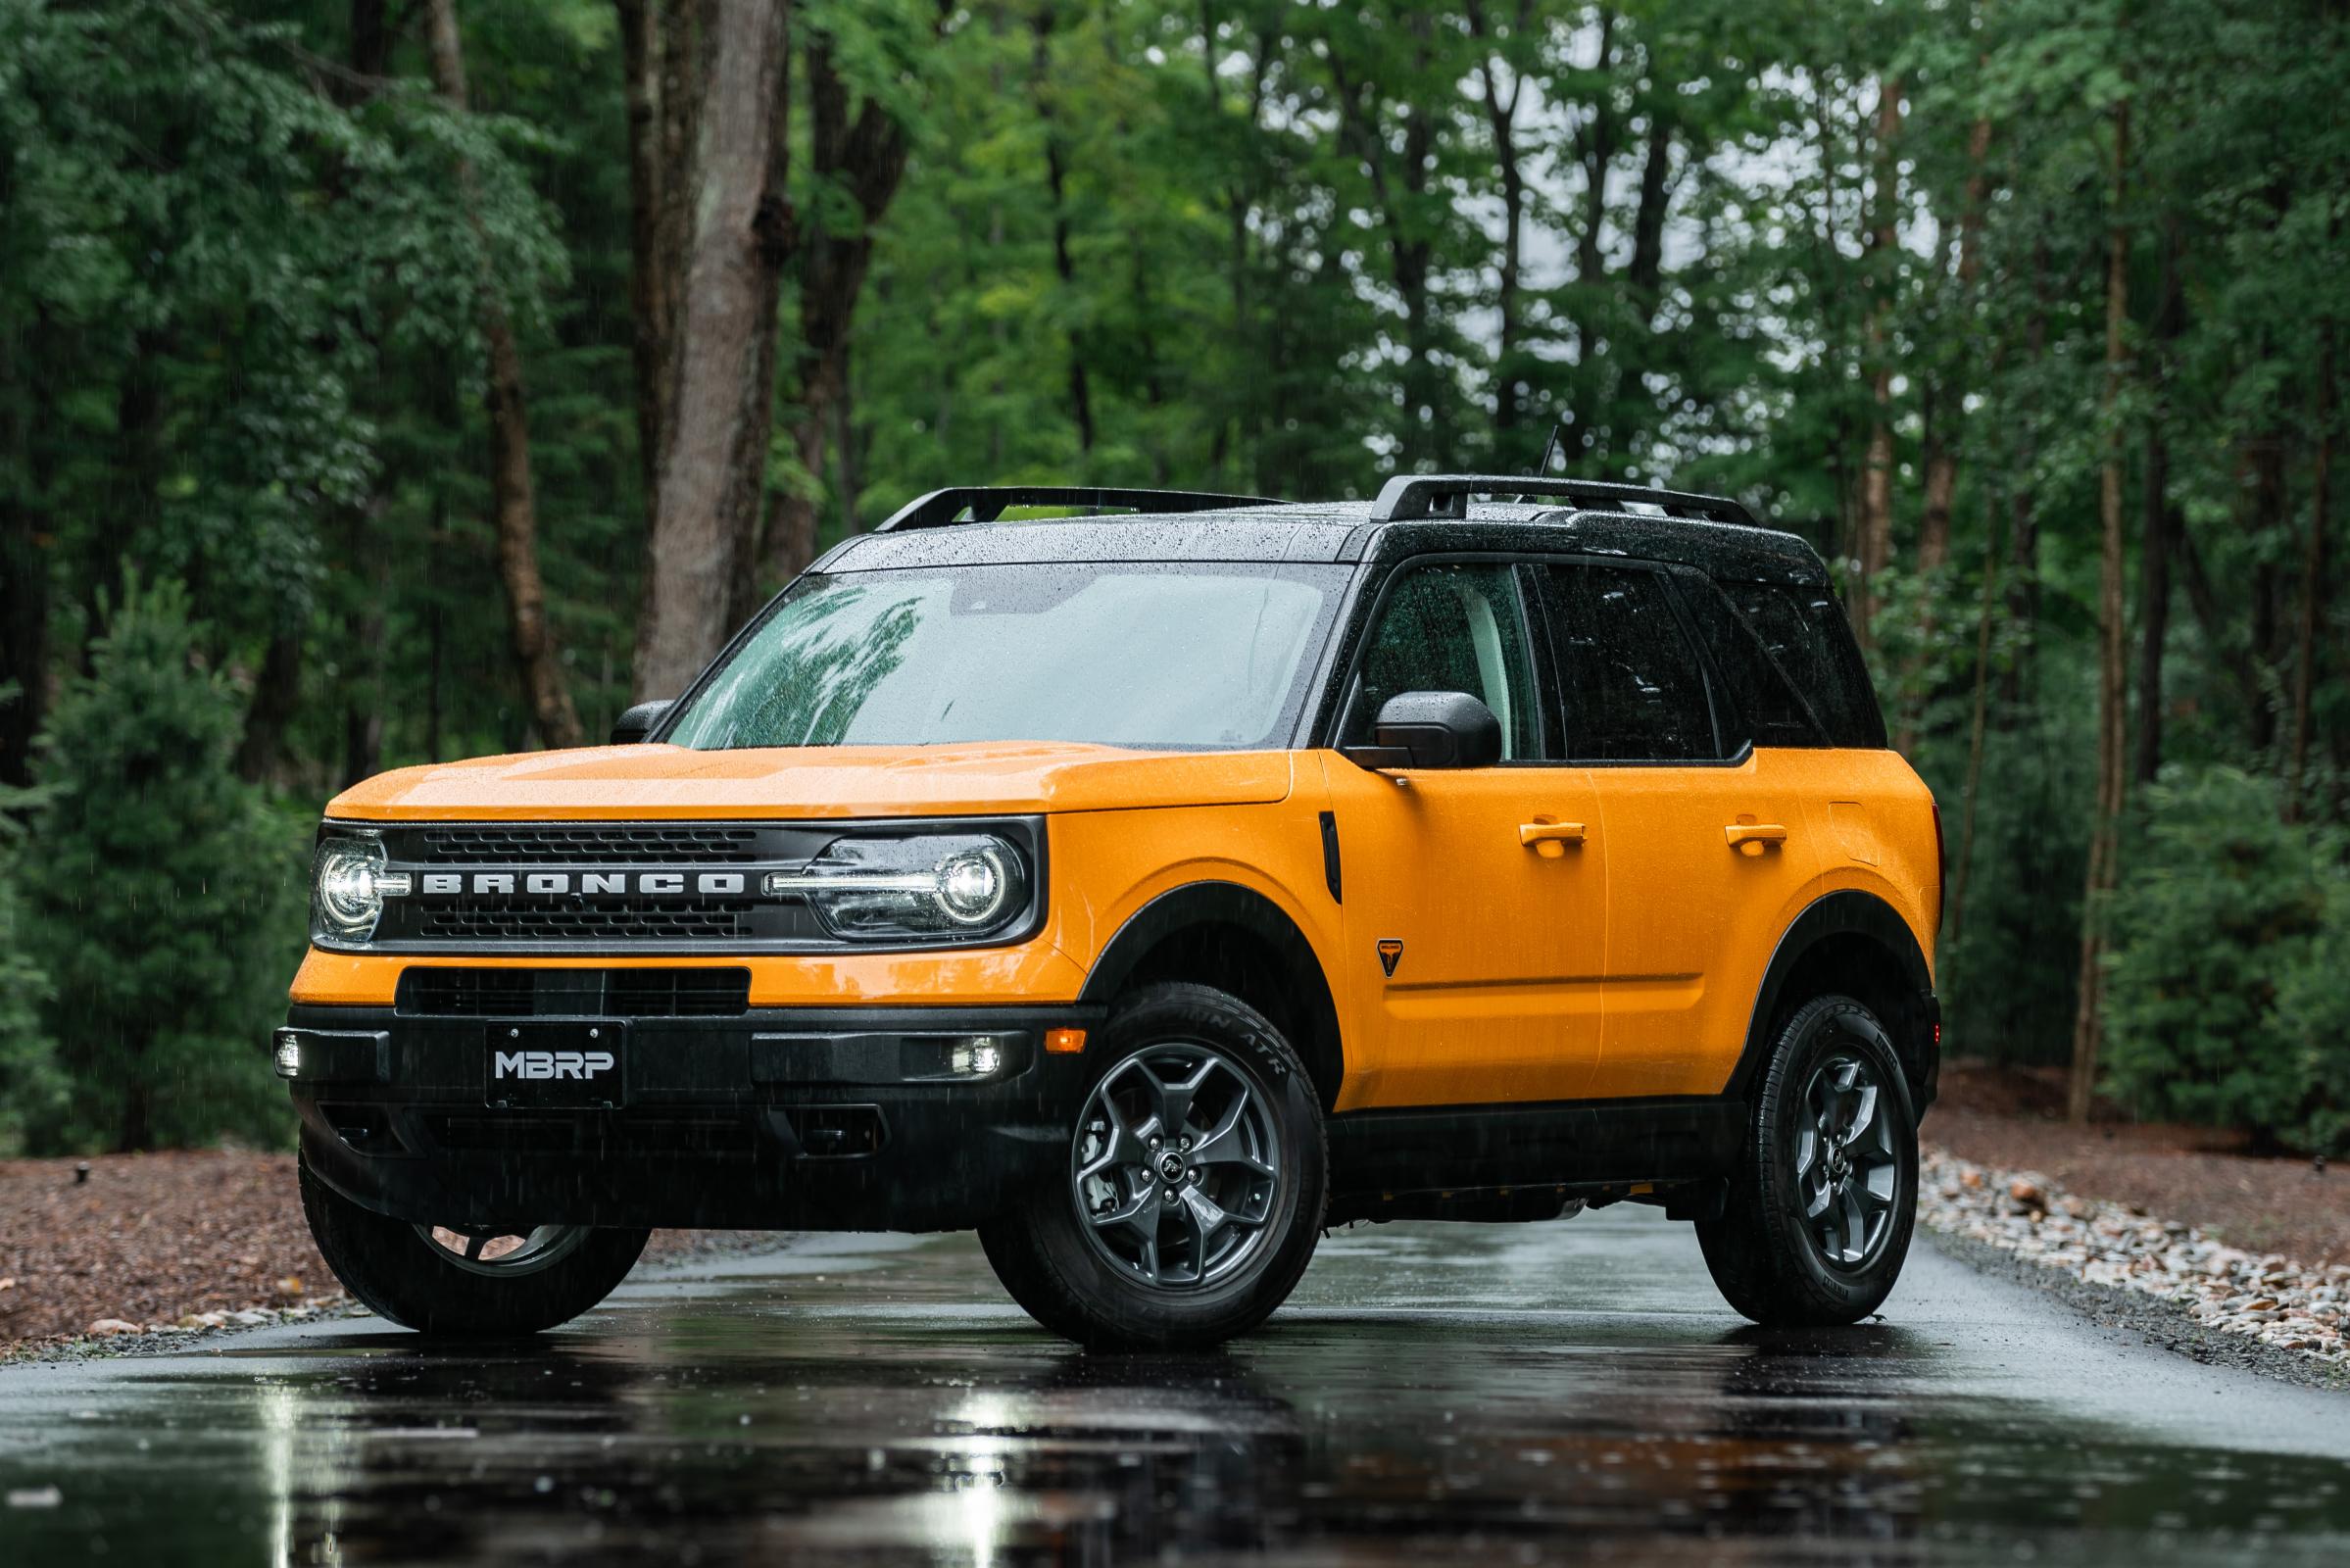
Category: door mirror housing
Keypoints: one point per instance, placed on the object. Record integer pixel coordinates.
(635, 723)
(1429, 730)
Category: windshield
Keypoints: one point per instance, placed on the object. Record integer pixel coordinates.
(1189, 656)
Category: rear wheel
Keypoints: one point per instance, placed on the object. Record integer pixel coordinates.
(479, 1283)
(1192, 1196)
(1819, 1216)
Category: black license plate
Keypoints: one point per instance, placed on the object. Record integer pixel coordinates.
(570, 1066)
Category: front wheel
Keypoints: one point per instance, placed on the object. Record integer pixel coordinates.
(470, 1284)
(1192, 1196)
(1820, 1211)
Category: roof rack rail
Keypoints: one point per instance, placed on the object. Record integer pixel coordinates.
(1408, 496)
(987, 503)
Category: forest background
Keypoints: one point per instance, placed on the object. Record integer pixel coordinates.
(391, 380)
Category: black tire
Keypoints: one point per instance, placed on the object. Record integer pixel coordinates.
(410, 1280)
(1047, 1254)
(1767, 1253)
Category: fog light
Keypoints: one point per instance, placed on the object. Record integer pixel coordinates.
(288, 1056)
(980, 1057)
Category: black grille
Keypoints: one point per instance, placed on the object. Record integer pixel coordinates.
(621, 919)
(596, 1135)
(677, 992)
(591, 842)
(625, 992)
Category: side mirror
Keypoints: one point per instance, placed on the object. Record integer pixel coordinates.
(1431, 730)
(635, 723)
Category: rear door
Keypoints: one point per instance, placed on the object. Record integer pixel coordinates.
(1474, 899)
(1709, 848)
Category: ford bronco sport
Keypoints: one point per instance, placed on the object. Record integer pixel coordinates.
(1152, 892)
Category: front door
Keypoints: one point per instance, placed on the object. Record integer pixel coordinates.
(1475, 900)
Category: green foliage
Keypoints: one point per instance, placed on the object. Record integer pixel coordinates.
(2010, 973)
(158, 896)
(2223, 989)
(1250, 246)
(31, 1088)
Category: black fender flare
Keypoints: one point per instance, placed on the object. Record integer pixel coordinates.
(1205, 904)
(1917, 1015)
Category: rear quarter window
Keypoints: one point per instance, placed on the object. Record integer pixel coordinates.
(1805, 633)
(1769, 707)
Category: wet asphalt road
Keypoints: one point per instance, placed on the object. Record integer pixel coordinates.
(1568, 1391)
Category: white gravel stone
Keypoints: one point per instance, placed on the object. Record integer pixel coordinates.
(2264, 1296)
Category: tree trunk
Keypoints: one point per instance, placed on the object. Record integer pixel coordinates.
(1941, 454)
(277, 693)
(1876, 468)
(1962, 863)
(2313, 577)
(2104, 867)
(714, 459)
(2158, 520)
(867, 155)
(1646, 272)
(546, 695)
(645, 26)
(25, 552)
(2024, 523)
(1064, 265)
(1501, 117)
(1596, 140)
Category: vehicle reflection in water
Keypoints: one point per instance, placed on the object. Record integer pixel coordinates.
(855, 1423)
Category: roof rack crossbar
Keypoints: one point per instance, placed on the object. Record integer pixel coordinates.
(1410, 496)
(987, 503)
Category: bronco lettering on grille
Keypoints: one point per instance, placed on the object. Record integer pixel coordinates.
(587, 884)
(536, 1064)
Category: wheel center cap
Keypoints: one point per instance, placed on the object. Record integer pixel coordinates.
(1170, 1166)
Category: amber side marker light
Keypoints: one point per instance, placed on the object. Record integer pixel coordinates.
(1065, 1042)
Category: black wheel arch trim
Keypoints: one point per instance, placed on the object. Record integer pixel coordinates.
(1913, 1031)
(1213, 903)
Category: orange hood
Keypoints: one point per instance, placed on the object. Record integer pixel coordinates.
(647, 782)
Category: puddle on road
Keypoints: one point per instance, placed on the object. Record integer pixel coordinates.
(818, 1417)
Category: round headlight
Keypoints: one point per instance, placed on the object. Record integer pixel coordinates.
(348, 896)
(973, 887)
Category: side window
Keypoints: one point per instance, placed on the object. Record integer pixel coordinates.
(1808, 636)
(1771, 710)
(1452, 628)
(1629, 679)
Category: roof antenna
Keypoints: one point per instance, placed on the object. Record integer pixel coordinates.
(1556, 448)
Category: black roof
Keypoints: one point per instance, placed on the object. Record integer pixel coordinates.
(1344, 532)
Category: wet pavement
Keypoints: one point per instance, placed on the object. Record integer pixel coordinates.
(1568, 1392)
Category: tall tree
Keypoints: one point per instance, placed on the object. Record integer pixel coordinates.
(714, 452)
(544, 687)
(2113, 671)
(856, 163)
(1876, 513)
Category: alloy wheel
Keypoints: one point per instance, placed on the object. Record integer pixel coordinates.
(1176, 1168)
(1847, 1162)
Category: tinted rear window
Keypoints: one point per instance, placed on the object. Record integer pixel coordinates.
(1805, 632)
(1770, 713)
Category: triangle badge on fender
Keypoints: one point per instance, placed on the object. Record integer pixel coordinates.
(1390, 952)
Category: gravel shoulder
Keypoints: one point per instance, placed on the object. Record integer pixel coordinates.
(2167, 1281)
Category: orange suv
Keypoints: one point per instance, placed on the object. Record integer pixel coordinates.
(1152, 892)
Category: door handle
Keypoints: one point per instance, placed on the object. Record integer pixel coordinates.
(1549, 840)
(1752, 838)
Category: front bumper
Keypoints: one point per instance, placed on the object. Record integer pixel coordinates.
(783, 1118)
